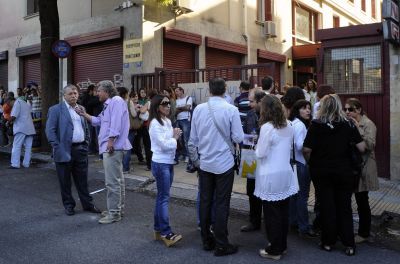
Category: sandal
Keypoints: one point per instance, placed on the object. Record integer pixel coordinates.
(350, 251)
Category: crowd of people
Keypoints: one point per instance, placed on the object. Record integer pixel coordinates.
(298, 137)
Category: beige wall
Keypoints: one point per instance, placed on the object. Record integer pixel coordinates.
(394, 113)
(229, 20)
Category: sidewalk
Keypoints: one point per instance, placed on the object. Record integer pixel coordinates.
(185, 186)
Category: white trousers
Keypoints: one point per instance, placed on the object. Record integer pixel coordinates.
(19, 140)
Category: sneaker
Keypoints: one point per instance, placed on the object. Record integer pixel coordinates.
(126, 172)
(157, 235)
(105, 213)
(110, 218)
(360, 239)
(249, 228)
(171, 239)
(264, 254)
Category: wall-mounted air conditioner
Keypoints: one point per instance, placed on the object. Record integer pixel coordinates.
(269, 29)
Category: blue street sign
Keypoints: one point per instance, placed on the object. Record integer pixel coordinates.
(61, 49)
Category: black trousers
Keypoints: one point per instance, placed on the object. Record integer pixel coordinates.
(276, 225)
(78, 169)
(364, 214)
(143, 133)
(221, 185)
(255, 203)
(334, 190)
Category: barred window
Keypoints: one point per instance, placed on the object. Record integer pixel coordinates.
(354, 70)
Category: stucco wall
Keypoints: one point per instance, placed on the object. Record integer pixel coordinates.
(394, 113)
(130, 19)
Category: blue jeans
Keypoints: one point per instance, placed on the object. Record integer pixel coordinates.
(298, 202)
(185, 126)
(127, 156)
(164, 175)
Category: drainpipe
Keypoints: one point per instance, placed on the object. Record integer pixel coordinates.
(245, 31)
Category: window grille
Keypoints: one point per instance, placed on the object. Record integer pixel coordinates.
(354, 70)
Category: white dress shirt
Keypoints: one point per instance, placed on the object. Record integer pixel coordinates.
(23, 119)
(163, 144)
(215, 154)
(180, 102)
(300, 132)
(78, 134)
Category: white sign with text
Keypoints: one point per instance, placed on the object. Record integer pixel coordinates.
(200, 92)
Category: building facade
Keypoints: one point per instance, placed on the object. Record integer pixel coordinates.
(192, 34)
(95, 30)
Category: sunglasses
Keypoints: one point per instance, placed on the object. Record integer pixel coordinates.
(350, 109)
(165, 103)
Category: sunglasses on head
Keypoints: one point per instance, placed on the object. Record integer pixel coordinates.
(165, 103)
(350, 109)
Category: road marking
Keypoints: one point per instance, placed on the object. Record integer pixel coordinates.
(98, 191)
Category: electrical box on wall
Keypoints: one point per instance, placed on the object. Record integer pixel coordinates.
(269, 30)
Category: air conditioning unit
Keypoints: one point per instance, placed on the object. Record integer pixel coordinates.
(269, 29)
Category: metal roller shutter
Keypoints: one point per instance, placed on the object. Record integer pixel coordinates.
(97, 62)
(179, 55)
(4, 74)
(31, 67)
(222, 58)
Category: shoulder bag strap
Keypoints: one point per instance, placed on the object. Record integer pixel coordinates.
(230, 145)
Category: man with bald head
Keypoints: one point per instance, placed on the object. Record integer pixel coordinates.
(68, 134)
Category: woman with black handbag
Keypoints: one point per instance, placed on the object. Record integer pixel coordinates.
(369, 179)
(328, 152)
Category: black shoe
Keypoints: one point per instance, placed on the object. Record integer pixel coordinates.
(309, 234)
(69, 211)
(209, 245)
(249, 228)
(12, 167)
(224, 251)
(191, 170)
(93, 209)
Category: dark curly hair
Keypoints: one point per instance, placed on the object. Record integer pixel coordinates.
(295, 112)
(272, 111)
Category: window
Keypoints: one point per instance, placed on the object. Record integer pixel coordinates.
(354, 70)
(373, 8)
(363, 4)
(304, 25)
(32, 7)
(336, 21)
(265, 10)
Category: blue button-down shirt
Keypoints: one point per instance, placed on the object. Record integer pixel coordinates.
(215, 154)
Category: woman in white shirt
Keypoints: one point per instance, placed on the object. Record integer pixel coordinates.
(275, 179)
(163, 145)
(300, 115)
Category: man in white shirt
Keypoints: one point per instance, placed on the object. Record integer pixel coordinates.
(267, 84)
(23, 130)
(183, 115)
(68, 134)
(212, 154)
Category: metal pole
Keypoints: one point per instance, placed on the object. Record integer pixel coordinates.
(60, 81)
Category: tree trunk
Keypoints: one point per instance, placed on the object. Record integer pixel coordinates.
(50, 32)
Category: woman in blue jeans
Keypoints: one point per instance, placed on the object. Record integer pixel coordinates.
(163, 145)
(300, 115)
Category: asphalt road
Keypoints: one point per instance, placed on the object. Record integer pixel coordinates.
(34, 229)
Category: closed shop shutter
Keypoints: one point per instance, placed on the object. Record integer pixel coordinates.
(4, 74)
(97, 62)
(222, 58)
(178, 55)
(274, 72)
(31, 67)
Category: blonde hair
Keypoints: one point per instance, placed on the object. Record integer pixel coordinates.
(330, 109)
